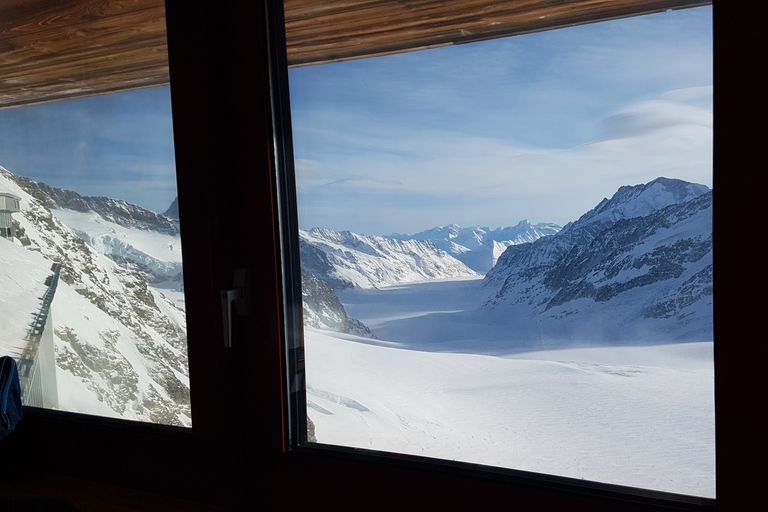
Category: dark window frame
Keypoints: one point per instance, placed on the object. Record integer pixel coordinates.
(218, 460)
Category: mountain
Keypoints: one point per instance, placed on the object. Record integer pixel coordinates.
(479, 247)
(637, 266)
(344, 259)
(173, 211)
(116, 211)
(119, 335)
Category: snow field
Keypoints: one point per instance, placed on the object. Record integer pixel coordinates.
(640, 426)
(636, 415)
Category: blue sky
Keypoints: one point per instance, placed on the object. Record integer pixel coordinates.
(116, 145)
(538, 127)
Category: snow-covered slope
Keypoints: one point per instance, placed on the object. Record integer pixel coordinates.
(479, 247)
(637, 266)
(120, 343)
(22, 277)
(345, 259)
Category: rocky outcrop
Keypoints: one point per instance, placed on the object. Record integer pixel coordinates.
(323, 310)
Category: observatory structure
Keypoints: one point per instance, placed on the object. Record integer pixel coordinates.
(9, 204)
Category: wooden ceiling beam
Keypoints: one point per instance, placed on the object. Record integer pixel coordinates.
(54, 50)
(322, 31)
(59, 49)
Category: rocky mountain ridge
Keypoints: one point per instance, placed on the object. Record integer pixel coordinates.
(640, 263)
(344, 259)
(323, 309)
(117, 211)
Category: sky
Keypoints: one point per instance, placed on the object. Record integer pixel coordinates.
(116, 145)
(538, 127)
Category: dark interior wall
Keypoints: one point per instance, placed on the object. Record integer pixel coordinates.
(234, 455)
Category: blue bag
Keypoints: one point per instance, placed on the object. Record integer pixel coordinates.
(10, 395)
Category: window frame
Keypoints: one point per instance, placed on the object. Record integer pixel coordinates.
(296, 405)
(218, 461)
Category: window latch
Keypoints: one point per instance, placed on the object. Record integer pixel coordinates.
(237, 299)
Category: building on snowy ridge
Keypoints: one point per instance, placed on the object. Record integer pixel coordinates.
(9, 204)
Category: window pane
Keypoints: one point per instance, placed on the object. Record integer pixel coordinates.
(506, 251)
(93, 302)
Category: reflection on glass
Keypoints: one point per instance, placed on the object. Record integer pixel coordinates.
(576, 343)
(90, 257)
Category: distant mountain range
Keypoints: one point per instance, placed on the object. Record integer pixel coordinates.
(479, 247)
(637, 266)
(342, 259)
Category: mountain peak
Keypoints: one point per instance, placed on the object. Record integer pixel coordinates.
(640, 200)
(173, 210)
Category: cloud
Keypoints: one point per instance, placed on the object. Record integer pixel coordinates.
(491, 180)
(662, 115)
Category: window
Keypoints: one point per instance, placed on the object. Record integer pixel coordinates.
(427, 371)
(92, 257)
(204, 84)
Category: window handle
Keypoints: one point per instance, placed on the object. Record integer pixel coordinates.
(236, 297)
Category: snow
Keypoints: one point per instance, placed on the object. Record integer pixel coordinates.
(22, 281)
(169, 297)
(479, 247)
(639, 414)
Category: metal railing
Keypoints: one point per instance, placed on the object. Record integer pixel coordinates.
(33, 382)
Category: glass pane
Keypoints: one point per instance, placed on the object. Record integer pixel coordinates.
(506, 250)
(90, 257)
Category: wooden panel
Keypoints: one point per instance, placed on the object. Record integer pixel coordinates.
(51, 50)
(58, 49)
(319, 31)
